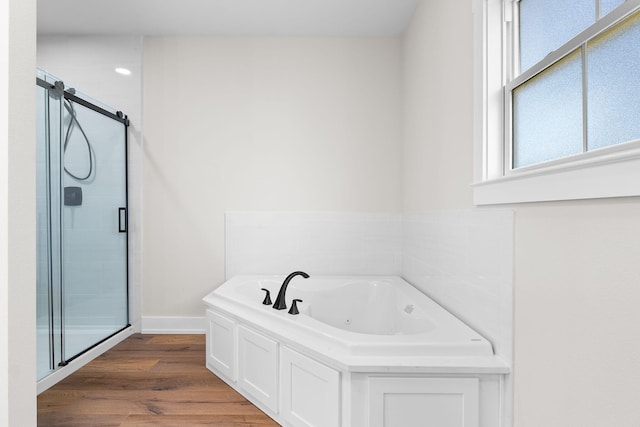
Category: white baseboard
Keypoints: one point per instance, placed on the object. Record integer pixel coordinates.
(173, 325)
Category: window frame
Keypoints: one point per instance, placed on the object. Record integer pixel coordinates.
(612, 171)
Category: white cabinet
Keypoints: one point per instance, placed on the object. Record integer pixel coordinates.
(258, 366)
(300, 391)
(414, 402)
(310, 391)
(221, 344)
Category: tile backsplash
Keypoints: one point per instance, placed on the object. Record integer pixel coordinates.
(318, 243)
(464, 261)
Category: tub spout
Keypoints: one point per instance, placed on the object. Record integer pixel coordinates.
(280, 303)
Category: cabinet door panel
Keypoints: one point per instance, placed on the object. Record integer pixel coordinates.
(413, 402)
(258, 366)
(310, 391)
(221, 344)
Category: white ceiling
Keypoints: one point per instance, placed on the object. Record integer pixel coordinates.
(225, 17)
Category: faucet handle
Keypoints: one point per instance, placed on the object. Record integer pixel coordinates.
(267, 297)
(294, 307)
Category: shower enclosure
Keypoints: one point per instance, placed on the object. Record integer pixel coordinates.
(82, 291)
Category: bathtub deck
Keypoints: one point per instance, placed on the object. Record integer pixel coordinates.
(154, 380)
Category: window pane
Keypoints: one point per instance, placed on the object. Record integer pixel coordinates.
(547, 114)
(607, 6)
(545, 25)
(613, 71)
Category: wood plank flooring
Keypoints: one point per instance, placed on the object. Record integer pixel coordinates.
(148, 380)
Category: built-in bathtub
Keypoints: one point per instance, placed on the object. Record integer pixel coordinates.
(357, 339)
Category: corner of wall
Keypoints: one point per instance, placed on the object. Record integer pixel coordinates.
(17, 345)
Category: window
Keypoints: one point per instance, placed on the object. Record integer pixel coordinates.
(558, 99)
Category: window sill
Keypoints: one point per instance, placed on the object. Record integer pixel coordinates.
(616, 174)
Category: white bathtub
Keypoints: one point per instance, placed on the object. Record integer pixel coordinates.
(357, 342)
(353, 317)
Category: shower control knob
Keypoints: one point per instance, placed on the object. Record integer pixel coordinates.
(267, 297)
(294, 307)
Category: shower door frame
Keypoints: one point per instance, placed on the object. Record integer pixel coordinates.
(63, 369)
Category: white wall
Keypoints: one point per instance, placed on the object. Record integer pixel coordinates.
(17, 214)
(4, 216)
(88, 63)
(258, 124)
(437, 155)
(576, 263)
(577, 353)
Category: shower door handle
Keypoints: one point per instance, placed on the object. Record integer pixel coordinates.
(122, 220)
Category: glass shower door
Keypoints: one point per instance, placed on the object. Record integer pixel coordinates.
(48, 267)
(94, 292)
(82, 287)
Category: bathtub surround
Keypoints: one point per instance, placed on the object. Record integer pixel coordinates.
(463, 259)
(317, 242)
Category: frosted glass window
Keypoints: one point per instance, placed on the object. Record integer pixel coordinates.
(607, 6)
(545, 25)
(614, 86)
(547, 114)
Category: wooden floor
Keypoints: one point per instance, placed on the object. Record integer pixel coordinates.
(148, 380)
